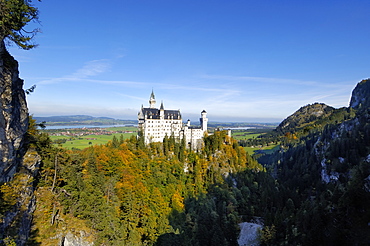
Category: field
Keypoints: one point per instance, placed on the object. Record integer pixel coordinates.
(83, 138)
(249, 134)
(244, 135)
(266, 149)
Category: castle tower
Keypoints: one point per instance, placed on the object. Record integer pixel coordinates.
(152, 100)
(204, 121)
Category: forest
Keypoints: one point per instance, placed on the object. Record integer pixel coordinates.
(131, 194)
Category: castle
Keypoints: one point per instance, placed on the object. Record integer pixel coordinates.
(154, 124)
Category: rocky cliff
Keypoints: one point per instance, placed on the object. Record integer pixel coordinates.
(15, 224)
(13, 115)
(18, 164)
(361, 95)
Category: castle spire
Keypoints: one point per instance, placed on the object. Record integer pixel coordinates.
(152, 95)
(161, 111)
(152, 100)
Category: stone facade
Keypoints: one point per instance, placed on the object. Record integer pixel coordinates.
(154, 124)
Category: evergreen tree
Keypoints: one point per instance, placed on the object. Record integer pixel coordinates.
(14, 16)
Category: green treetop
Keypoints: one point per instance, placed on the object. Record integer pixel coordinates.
(14, 16)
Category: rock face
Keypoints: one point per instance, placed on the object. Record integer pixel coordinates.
(16, 223)
(249, 234)
(13, 115)
(71, 240)
(15, 163)
(360, 95)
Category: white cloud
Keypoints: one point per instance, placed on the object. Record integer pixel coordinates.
(260, 79)
(223, 97)
(90, 69)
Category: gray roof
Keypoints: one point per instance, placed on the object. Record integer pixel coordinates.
(154, 113)
(195, 127)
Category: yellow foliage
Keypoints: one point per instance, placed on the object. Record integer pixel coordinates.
(8, 196)
(47, 233)
(177, 201)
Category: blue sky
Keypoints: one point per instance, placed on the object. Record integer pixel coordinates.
(240, 60)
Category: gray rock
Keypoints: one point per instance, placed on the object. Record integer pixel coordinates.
(13, 129)
(13, 115)
(75, 240)
(18, 220)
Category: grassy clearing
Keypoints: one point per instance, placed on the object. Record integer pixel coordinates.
(245, 136)
(266, 149)
(250, 134)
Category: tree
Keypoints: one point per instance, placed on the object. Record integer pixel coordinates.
(14, 16)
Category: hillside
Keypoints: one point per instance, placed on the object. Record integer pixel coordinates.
(305, 117)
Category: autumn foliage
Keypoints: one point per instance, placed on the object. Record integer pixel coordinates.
(132, 194)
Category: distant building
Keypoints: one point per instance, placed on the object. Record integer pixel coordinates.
(154, 124)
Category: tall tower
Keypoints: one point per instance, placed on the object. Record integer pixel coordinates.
(152, 100)
(204, 120)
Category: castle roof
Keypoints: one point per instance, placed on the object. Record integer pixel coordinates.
(194, 127)
(154, 113)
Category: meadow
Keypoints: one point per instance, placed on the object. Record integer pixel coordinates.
(83, 138)
(254, 133)
(244, 134)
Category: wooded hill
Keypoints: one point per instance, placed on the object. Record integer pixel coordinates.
(131, 194)
(323, 167)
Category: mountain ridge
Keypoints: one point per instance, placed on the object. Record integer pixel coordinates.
(81, 120)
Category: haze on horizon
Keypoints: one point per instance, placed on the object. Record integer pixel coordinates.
(249, 61)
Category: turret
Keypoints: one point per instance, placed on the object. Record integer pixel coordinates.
(204, 120)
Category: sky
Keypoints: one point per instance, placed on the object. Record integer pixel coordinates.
(240, 60)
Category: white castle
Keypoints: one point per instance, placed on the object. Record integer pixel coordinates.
(154, 124)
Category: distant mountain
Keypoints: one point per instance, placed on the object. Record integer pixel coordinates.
(305, 116)
(82, 120)
(215, 124)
